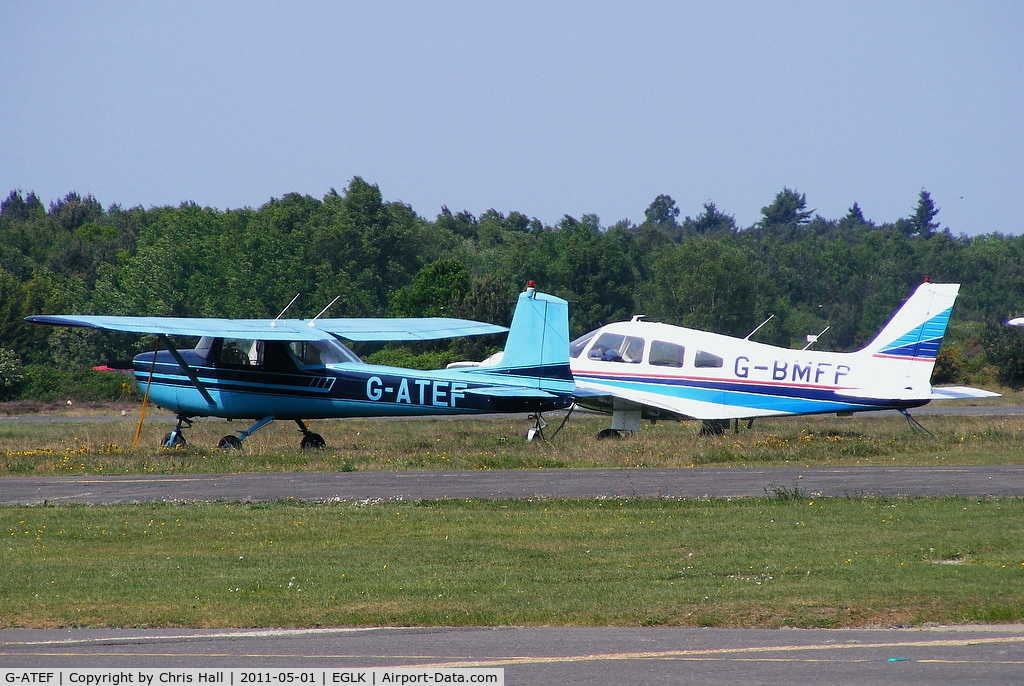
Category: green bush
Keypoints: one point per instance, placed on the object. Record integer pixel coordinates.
(11, 372)
(403, 357)
(950, 365)
(43, 383)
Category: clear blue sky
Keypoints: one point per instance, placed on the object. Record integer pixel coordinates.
(547, 108)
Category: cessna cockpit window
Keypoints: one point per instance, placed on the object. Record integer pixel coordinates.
(704, 359)
(616, 347)
(204, 346)
(238, 352)
(665, 354)
(319, 353)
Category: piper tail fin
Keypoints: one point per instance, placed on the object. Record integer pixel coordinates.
(914, 334)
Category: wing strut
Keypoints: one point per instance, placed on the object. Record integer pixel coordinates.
(188, 370)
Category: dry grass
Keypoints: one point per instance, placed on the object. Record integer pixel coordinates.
(102, 444)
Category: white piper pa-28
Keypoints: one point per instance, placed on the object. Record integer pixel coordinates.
(644, 370)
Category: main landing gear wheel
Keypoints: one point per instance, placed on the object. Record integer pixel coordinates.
(230, 443)
(608, 433)
(312, 441)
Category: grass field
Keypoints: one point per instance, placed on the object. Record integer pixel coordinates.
(755, 562)
(785, 560)
(104, 447)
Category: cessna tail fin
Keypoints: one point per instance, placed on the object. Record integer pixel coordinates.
(537, 347)
(538, 338)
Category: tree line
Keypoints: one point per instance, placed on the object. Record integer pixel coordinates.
(382, 258)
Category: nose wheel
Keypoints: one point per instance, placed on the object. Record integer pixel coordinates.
(176, 437)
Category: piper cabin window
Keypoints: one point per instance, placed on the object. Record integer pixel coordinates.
(577, 346)
(706, 359)
(664, 354)
(617, 347)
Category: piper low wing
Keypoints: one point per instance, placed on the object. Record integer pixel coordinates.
(293, 369)
(643, 370)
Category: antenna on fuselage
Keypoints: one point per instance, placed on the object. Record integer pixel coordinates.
(274, 323)
(312, 321)
(812, 339)
(758, 328)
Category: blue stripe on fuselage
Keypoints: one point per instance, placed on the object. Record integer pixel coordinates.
(749, 395)
(325, 392)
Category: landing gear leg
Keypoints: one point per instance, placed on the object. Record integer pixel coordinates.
(736, 425)
(176, 439)
(230, 442)
(310, 440)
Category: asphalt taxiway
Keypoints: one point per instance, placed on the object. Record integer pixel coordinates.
(972, 481)
(559, 655)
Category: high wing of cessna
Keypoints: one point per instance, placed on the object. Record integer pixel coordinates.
(294, 369)
(639, 369)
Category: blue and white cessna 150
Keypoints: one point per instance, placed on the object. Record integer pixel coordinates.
(262, 369)
(639, 369)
